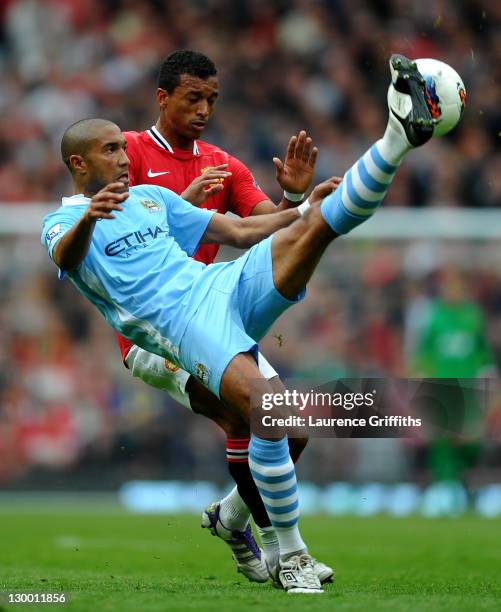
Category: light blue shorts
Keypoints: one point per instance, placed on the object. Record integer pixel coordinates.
(236, 313)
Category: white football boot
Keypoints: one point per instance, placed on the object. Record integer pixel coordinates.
(324, 573)
(247, 555)
(297, 575)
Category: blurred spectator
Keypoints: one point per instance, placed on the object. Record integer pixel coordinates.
(453, 344)
(65, 400)
(310, 64)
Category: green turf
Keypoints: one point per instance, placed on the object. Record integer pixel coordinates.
(111, 560)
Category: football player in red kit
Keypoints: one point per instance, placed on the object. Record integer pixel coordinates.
(170, 154)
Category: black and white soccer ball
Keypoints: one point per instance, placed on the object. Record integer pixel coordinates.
(445, 94)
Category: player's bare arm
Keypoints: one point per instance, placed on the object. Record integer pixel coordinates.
(244, 233)
(294, 176)
(72, 248)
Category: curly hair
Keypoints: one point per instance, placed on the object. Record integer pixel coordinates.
(184, 62)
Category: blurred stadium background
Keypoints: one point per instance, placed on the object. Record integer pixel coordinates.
(72, 418)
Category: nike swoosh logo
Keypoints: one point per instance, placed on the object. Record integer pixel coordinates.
(154, 174)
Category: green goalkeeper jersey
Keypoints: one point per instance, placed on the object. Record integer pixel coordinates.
(454, 344)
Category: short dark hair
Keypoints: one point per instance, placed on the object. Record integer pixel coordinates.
(184, 62)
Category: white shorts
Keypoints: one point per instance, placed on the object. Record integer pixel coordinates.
(164, 375)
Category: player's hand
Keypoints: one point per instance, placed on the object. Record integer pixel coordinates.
(106, 201)
(206, 185)
(296, 173)
(322, 190)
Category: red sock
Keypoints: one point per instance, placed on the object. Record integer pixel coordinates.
(237, 450)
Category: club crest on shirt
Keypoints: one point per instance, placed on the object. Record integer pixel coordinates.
(150, 205)
(171, 367)
(202, 372)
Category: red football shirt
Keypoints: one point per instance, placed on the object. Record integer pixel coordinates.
(153, 161)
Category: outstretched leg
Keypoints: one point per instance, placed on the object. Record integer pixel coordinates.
(296, 250)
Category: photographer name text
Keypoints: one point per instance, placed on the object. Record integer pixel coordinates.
(312, 421)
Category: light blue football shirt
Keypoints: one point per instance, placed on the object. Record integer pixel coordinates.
(138, 270)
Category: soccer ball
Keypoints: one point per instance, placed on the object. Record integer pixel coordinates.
(445, 94)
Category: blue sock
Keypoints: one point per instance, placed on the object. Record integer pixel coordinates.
(361, 192)
(275, 478)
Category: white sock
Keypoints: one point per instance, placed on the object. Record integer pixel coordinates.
(291, 542)
(269, 544)
(393, 145)
(234, 512)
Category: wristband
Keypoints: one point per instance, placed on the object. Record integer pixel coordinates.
(302, 208)
(293, 197)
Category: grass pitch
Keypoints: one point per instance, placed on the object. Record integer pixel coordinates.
(111, 560)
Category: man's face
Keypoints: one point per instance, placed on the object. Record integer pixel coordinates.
(106, 160)
(187, 109)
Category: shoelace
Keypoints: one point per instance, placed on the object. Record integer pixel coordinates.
(304, 564)
(301, 562)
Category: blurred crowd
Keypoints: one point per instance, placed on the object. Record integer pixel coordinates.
(66, 401)
(283, 65)
(72, 416)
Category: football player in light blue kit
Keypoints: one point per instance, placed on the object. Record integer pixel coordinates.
(128, 252)
(138, 270)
